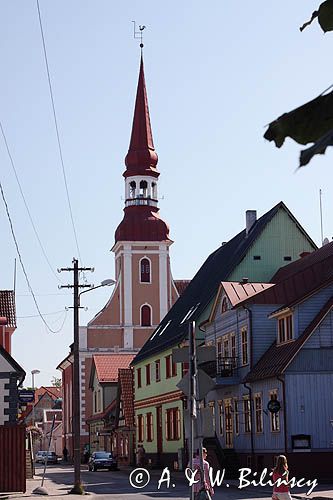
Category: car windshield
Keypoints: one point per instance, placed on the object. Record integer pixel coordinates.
(103, 454)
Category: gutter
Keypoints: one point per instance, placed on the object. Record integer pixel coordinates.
(251, 421)
(284, 413)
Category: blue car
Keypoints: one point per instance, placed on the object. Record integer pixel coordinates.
(102, 460)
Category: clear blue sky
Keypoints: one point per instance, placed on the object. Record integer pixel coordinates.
(216, 72)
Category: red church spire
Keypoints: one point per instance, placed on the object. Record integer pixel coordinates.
(141, 158)
(141, 220)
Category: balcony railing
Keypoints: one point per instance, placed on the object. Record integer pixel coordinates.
(223, 366)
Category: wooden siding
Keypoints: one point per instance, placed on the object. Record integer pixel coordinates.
(323, 336)
(264, 330)
(307, 310)
(310, 407)
(267, 441)
(280, 238)
(312, 360)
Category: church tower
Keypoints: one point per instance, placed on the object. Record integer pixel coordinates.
(142, 238)
(144, 290)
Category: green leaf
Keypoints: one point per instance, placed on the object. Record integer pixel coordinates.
(325, 16)
(305, 124)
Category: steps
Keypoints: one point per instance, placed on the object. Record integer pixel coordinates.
(222, 458)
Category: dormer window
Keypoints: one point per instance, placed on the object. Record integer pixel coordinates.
(285, 329)
(224, 306)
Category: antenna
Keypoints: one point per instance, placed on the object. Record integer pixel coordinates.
(14, 275)
(138, 34)
(321, 216)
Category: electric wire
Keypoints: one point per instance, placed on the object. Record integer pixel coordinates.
(44, 314)
(57, 130)
(26, 204)
(22, 265)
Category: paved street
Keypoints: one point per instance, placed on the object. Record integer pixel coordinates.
(115, 486)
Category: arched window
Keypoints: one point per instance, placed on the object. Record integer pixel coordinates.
(143, 188)
(154, 190)
(145, 271)
(145, 316)
(224, 307)
(132, 189)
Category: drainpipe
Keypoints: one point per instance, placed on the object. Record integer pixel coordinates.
(249, 314)
(251, 421)
(284, 413)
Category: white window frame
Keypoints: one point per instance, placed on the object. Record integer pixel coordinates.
(151, 315)
(256, 411)
(274, 417)
(150, 271)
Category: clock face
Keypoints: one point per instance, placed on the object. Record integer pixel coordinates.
(274, 406)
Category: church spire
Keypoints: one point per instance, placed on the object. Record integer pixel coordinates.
(141, 220)
(141, 158)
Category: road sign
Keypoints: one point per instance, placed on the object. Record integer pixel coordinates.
(203, 353)
(273, 406)
(205, 384)
(26, 396)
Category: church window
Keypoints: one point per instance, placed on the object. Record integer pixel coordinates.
(143, 189)
(145, 270)
(154, 190)
(145, 315)
(132, 189)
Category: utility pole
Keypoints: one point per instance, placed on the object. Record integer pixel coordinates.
(77, 488)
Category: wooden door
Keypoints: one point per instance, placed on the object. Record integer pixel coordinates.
(229, 431)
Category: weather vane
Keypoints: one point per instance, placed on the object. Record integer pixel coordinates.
(138, 34)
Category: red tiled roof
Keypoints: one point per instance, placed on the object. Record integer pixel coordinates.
(7, 307)
(127, 395)
(181, 285)
(107, 366)
(237, 292)
(53, 392)
(277, 358)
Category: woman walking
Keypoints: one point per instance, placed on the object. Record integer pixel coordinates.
(281, 491)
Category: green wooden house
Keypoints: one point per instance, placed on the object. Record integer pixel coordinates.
(256, 253)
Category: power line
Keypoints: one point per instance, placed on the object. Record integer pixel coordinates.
(25, 203)
(21, 262)
(44, 314)
(57, 130)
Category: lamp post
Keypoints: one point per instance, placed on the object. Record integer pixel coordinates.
(33, 373)
(78, 488)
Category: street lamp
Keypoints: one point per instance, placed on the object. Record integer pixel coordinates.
(78, 488)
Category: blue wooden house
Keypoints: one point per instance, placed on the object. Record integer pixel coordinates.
(274, 368)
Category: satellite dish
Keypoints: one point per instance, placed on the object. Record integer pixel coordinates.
(326, 241)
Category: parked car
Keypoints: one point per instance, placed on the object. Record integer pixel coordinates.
(40, 456)
(52, 458)
(102, 460)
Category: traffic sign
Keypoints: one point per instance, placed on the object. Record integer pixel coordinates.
(205, 384)
(26, 396)
(203, 354)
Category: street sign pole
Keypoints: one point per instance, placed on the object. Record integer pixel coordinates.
(192, 398)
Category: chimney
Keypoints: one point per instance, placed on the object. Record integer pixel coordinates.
(244, 281)
(304, 254)
(251, 217)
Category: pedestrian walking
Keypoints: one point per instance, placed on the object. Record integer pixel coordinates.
(281, 472)
(203, 489)
(140, 456)
(65, 454)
